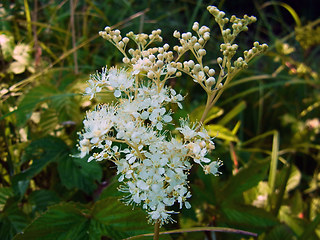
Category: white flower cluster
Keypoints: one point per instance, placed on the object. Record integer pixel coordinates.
(152, 162)
(152, 165)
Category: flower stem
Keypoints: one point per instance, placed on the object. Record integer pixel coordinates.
(156, 230)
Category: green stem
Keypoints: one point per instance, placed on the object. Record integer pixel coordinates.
(207, 108)
(156, 230)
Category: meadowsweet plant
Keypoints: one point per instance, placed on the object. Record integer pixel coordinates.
(152, 162)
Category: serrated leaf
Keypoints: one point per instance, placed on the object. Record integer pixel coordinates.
(107, 217)
(41, 152)
(41, 199)
(12, 220)
(66, 106)
(63, 221)
(247, 218)
(245, 179)
(5, 194)
(78, 173)
(111, 190)
(282, 232)
(31, 100)
(49, 121)
(208, 190)
(19, 185)
(121, 220)
(221, 132)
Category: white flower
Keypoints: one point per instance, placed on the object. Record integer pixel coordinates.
(158, 116)
(92, 89)
(141, 65)
(154, 167)
(187, 132)
(213, 168)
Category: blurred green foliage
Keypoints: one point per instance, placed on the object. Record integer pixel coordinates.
(266, 124)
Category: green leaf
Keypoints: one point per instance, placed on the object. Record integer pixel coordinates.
(5, 194)
(221, 132)
(297, 203)
(112, 189)
(298, 225)
(19, 185)
(251, 195)
(61, 102)
(41, 199)
(208, 189)
(63, 221)
(310, 229)
(78, 173)
(107, 217)
(31, 100)
(246, 217)
(41, 152)
(212, 114)
(232, 113)
(294, 178)
(66, 106)
(245, 179)
(49, 121)
(12, 220)
(120, 221)
(282, 232)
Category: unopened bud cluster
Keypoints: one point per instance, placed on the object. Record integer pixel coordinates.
(153, 163)
(308, 36)
(238, 24)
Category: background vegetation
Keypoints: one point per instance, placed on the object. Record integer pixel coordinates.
(268, 121)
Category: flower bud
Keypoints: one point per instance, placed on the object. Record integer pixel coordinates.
(211, 72)
(197, 67)
(150, 75)
(176, 34)
(152, 57)
(125, 60)
(196, 46)
(210, 81)
(195, 26)
(191, 63)
(206, 36)
(121, 44)
(160, 63)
